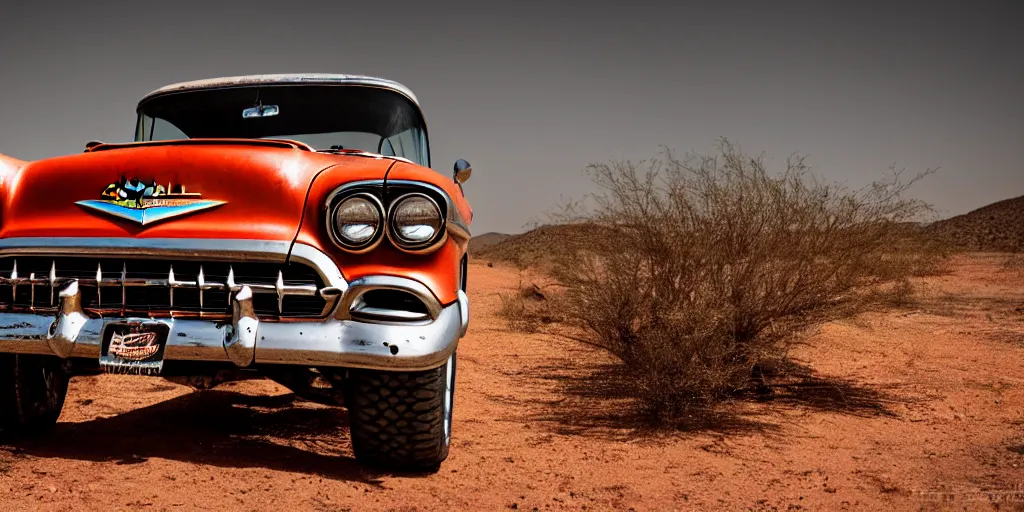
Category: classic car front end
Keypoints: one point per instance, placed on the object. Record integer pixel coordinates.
(285, 226)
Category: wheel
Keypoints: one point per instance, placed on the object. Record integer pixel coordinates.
(32, 391)
(401, 420)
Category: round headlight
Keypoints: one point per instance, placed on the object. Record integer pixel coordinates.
(415, 220)
(357, 221)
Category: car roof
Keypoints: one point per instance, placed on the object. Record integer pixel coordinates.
(283, 79)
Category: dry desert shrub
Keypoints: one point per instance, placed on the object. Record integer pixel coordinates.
(695, 271)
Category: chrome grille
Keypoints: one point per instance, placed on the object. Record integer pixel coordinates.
(160, 288)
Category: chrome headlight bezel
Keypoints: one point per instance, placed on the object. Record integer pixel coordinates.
(410, 246)
(347, 245)
(452, 226)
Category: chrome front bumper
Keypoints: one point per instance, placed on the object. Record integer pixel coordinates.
(245, 340)
(332, 343)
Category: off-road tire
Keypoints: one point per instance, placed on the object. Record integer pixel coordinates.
(32, 391)
(401, 421)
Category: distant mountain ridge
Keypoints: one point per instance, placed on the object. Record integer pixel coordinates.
(997, 227)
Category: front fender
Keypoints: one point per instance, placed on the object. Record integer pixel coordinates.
(439, 271)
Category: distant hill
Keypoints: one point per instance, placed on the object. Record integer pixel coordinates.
(531, 249)
(527, 249)
(480, 242)
(996, 227)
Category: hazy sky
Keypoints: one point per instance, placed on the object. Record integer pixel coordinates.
(531, 93)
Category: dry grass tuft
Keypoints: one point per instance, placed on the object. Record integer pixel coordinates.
(1013, 262)
(526, 309)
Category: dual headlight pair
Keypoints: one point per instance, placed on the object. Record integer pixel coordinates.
(413, 222)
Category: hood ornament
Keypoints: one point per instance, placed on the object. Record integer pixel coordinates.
(145, 203)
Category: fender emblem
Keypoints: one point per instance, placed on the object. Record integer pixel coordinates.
(145, 204)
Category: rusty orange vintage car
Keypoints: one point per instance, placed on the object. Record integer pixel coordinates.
(279, 226)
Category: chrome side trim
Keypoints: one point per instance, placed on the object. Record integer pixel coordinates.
(181, 248)
(188, 248)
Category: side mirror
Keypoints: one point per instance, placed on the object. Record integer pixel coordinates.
(462, 171)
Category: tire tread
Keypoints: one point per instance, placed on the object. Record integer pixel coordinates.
(397, 418)
(27, 406)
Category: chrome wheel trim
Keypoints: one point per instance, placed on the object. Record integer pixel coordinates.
(449, 383)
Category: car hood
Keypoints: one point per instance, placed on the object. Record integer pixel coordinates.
(257, 190)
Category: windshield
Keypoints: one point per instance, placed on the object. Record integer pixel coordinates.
(326, 117)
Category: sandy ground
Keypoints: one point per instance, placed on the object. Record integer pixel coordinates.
(909, 409)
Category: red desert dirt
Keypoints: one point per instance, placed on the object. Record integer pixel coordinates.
(917, 407)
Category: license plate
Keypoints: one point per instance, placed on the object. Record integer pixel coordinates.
(134, 347)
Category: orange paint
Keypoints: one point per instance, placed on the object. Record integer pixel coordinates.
(265, 190)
